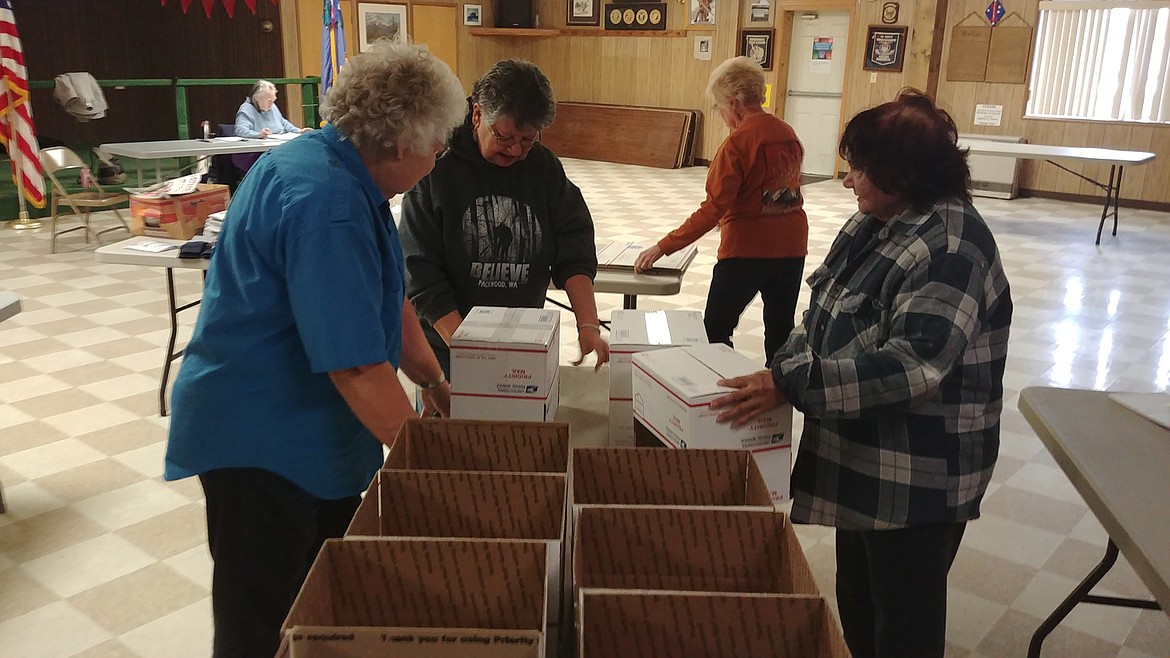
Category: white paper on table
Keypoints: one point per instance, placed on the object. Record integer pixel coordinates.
(152, 247)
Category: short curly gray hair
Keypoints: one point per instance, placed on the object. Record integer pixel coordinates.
(395, 95)
(739, 78)
(262, 88)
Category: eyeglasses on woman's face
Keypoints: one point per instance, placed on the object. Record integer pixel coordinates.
(511, 140)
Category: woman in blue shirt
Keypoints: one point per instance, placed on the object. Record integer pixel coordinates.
(259, 117)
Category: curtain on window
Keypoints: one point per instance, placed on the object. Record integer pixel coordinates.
(1107, 60)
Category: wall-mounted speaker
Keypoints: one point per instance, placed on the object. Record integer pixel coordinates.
(513, 13)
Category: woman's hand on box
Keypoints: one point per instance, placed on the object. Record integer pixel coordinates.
(756, 394)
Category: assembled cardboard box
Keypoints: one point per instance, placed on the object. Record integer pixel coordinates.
(481, 445)
(506, 352)
(177, 217)
(656, 477)
(479, 406)
(471, 505)
(707, 625)
(673, 389)
(689, 549)
(391, 597)
(633, 331)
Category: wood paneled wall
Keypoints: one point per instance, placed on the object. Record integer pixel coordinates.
(1146, 183)
(595, 66)
(141, 39)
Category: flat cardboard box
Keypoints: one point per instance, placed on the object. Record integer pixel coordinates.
(481, 445)
(177, 217)
(368, 589)
(506, 351)
(482, 406)
(470, 505)
(673, 390)
(689, 549)
(633, 331)
(707, 625)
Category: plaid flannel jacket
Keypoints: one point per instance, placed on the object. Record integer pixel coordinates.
(898, 367)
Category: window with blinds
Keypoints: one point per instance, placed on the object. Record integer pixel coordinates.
(1104, 60)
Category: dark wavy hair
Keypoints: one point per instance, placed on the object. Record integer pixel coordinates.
(518, 90)
(908, 148)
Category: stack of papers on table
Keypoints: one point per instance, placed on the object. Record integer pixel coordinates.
(172, 187)
(284, 137)
(1152, 406)
(213, 225)
(621, 256)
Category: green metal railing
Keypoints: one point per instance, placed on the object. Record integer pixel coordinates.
(309, 86)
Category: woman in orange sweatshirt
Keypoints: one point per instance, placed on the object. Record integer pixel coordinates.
(753, 196)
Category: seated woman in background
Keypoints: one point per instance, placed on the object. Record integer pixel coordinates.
(259, 117)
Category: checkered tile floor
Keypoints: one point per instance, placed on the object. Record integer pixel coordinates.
(99, 557)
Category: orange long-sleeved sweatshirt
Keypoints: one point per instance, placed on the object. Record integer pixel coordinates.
(753, 195)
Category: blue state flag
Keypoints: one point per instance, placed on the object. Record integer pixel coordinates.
(332, 44)
(995, 12)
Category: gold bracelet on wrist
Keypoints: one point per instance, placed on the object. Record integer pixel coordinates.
(588, 325)
(427, 386)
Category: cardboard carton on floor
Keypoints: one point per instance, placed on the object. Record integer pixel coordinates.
(689, 549)
(361, 596)
(707, 625)
(479, 406)
(506, 352)
(633, 331)
(471, 505)
(673, 390)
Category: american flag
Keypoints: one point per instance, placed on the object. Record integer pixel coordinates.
(16, 122)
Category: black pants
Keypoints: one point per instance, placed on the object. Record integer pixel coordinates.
(892, 589)
(264, 533)
(735, 282)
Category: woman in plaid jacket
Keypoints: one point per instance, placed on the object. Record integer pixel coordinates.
(898, 367)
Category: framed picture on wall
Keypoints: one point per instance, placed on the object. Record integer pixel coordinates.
(583, 12)
(885, 48)
(757, 44)
(702, 12)
(378, 21)
(473, 15)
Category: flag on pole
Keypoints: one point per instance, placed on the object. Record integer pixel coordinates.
(332, 44)
(16, 122)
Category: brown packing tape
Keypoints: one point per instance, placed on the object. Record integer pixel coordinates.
(480, 445)
(362, 642)
(647, 476)
(425, 583)
(703, 625)
(689, 549)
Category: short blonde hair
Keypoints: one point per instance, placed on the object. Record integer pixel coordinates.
(739, 78)
(395, 95)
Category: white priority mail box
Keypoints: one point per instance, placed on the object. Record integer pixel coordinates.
(506, 351)
(673, 390)
(477, 406)
(633, 331)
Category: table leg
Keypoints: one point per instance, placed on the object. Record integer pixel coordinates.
(1116, 196)
(171, 354)
(629, 302)
(139, 173)
(1081, 595)
(1110, 198)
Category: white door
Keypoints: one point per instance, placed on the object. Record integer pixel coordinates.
(816, 79)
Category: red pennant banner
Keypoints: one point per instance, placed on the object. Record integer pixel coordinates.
(185, 4)
(230, 7)
(251, 4)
